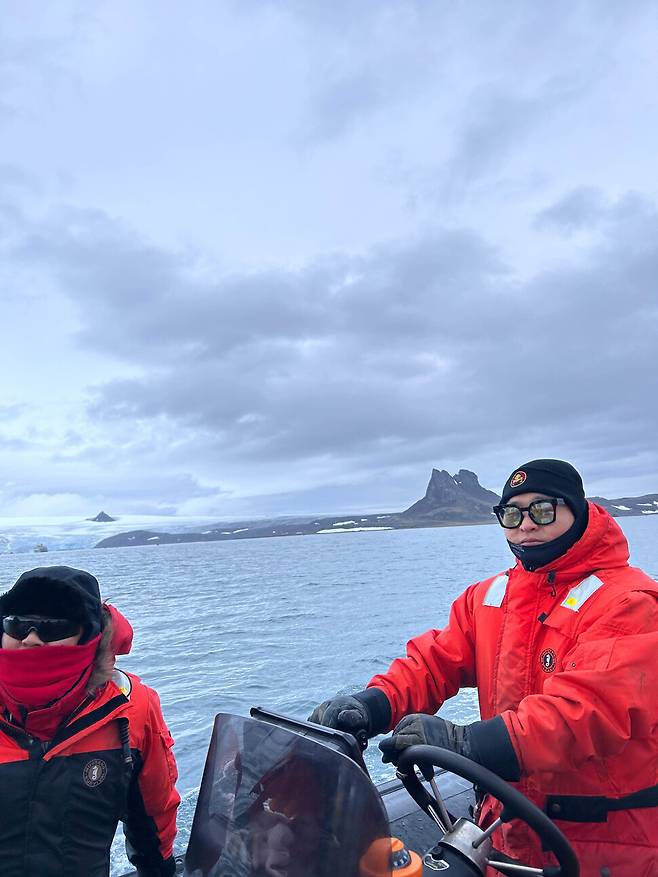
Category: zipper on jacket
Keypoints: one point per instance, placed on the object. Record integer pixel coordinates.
(35, 749)
(32, 745)
(534, 633)
(30, 805)
(550, 581)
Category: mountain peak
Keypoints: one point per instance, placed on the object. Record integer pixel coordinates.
(458, 497)
(102, 518)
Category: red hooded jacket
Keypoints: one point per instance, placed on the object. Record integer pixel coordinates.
(61, 800)
(568, 656)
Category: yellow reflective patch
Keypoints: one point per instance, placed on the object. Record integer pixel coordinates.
(581, 593)
(122, 682)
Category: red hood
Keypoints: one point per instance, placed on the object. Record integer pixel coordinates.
(602, 546)
(122, 638)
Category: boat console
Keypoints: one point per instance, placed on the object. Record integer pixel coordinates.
(281, 797)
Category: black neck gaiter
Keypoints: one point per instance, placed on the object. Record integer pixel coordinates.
(535, 556)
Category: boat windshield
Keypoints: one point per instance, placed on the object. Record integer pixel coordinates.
(274, 803)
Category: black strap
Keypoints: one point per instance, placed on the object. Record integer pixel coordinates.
(128, 761)
(37, 748)
(124, 737)
(22, 738)
(595, 808)
(88, 719)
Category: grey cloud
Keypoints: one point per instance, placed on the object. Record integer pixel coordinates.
(361, 60)
(571, 351)
(8, 412)
(111, 478)
(411, 354)
(581, 208)
(372, 358)
(31, 60)
(496, 125)
(342, 103)
(405, 60)
(525, 89)
(116, 279)
(13, 177)
(10, 443)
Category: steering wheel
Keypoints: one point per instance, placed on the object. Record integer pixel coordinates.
(465, 843)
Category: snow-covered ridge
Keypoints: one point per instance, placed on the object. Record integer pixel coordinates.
(23, 535)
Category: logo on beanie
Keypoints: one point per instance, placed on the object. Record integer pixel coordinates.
(518, 478)
(94, 772)
(547, 660)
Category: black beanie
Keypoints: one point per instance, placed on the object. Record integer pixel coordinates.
(550, 477)
(57, 592)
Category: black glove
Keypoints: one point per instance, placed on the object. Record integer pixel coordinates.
(488, 743)
(367, 711)
(420, 729)
(166, 868)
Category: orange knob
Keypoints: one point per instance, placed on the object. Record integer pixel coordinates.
(405, 862)
(388, 857)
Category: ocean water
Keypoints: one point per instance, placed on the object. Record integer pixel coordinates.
(285, 623)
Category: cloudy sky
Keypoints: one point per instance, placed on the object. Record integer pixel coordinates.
(285, 256)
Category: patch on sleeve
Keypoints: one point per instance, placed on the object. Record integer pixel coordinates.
(582, 592)
(122, 682)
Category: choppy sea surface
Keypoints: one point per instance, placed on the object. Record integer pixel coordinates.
(282, 623)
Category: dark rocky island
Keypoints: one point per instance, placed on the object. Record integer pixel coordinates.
(449, 500)
(452, 499)
(102, 518)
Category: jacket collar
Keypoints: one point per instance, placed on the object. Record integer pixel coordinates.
(108, 702)
(602, 546)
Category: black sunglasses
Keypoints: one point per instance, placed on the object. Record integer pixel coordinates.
(48, 629)
(541, 512)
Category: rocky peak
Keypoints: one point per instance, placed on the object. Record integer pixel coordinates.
(468, 481)
(102, 518)
(454, 497)
(441, 485)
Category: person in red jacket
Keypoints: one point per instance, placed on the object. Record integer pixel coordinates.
(82, 744)
(562, 649)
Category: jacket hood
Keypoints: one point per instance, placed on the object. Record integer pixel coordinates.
(122, 631)
(602, 546)
(117, 640)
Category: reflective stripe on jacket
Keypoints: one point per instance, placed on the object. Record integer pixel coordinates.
(60, 802)
(568, 656)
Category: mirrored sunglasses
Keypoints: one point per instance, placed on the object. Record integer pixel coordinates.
(540, 511)
(47, 629)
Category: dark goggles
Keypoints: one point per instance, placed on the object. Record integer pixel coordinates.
(540, 511)
(47, 629)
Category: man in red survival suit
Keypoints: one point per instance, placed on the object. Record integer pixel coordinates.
(563, 649)
(82, 745)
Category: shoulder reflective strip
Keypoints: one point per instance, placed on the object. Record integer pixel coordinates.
(496, 592)
(577, 596)
(122, 682)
